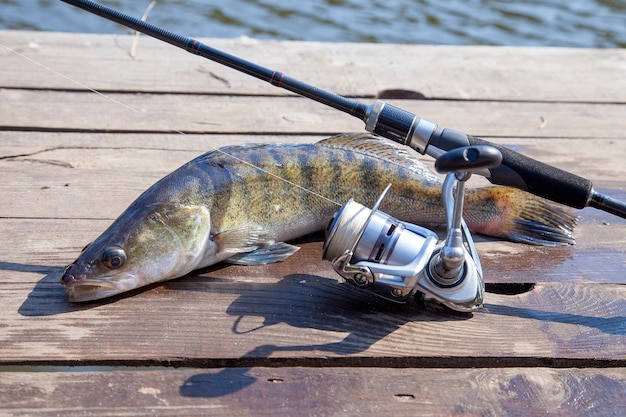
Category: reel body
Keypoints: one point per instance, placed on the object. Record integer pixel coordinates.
(397, 260)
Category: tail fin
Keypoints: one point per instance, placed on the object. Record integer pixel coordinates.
(519, 216)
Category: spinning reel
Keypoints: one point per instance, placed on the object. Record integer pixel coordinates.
(395, 259)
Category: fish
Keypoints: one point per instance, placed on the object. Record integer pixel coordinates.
(243, 204)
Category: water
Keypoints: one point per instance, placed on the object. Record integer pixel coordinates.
(574, 23)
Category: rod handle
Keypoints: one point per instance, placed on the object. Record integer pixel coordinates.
(520, 171)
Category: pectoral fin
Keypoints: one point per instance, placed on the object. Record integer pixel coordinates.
(253, 245)
(243, 239)
(277, 252)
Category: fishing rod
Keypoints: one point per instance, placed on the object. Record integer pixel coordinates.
(515, 170)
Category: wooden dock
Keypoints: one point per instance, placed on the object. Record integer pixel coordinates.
(289, 339)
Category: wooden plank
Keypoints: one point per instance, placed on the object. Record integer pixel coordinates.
(103, 62)
(320, 392)
(596, 158)
(598, 255)
(294, 311)
(48, 169)
(30, 143)
(290, 115)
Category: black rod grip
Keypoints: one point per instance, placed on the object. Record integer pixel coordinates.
(519, 171)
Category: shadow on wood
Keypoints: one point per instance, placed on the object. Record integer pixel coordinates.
(47, 298)
(611, 325)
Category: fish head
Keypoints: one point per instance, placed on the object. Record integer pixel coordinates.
(139, 248)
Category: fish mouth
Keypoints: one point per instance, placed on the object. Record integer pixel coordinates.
(80, 289)
(89, 290)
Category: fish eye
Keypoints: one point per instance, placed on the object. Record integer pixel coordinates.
(114, 257)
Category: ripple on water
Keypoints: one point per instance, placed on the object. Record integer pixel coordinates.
(582, 23)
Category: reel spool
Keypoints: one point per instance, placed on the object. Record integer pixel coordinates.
(371, 235)
(373, 250)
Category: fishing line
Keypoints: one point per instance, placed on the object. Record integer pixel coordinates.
(69, 78)
(280, 178)
(86, 87)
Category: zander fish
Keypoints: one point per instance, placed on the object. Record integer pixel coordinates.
(241, 203)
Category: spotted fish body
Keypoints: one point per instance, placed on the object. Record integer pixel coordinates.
(241, 203)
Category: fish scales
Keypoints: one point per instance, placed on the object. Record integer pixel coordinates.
(270, 191)
(279, 184)
(241, 203)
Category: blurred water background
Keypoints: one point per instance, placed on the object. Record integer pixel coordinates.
(574, 23)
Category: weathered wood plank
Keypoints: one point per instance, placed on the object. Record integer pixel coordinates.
(28, 155)
(317, 392)
(596, 158)
(169, 113)
(33, 142)
(103, 62)
(50, 169)
(598, 255)
(295, 310)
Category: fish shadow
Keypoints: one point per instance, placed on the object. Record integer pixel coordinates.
(47, 297)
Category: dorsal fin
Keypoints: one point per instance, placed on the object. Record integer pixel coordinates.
(371, 144)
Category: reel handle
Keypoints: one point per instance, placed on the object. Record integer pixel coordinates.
(452, 262)
(470, 159)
